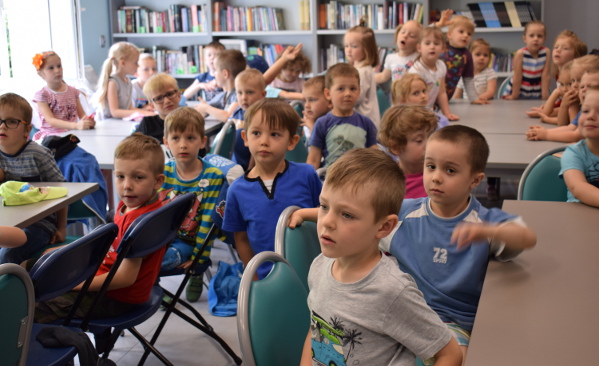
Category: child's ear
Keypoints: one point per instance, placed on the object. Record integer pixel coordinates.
(27, 129)
(387, 225)
(293, 141)
(327, 94)
(159, 181)
(244, 137)
(204, 140)
(478, 177)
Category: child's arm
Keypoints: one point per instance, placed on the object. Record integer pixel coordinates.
(545, 77)
(61, 226)
(445, 18)
(569, 100)
(458, 94)
(288, 54)
(112, 99)
(307, 352)
(444, 103)
(220, 114)
(383, 76)
(450, 355)
(569, 133)
(290, 95)
(314, 157)
(11, 237)
(516, 76)
(514, 236)
(85, 123)
(490, 92)
(471, 91)
(196, 86)
(125, 276)
(580, 188)
(244, 249)
(301, 215)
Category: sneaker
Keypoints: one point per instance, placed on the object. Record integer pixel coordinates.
(194, 288)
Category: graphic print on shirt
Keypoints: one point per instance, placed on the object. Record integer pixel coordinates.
(329, 340)
(454, 63)
(190, 224)
(399, 70)
(342, 138)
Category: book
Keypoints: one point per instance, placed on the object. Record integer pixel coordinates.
(501, 11)
(512, 14)
(477, 15)
(489, 14)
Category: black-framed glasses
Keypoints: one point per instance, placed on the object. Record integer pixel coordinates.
(11, 123)
(160, 99)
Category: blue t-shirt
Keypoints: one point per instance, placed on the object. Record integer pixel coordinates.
(241, 153)
(450, 279)
(575, 120)
(579, 157)
(336, 135)
(204, 78)
(223, 100)
(253, 209)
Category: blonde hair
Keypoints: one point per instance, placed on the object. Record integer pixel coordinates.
(399, 27)
(401, 120)
(340, 69)
(148, 56)
(535, 22)
(158, 82)
(232, 61)
(373, 171)
(17, 103)
(276, 113)
(479, 42)
(580, 48)
(586, 62)
(251, 76)
(181, 119)
(460, 20)
(368, 40)
(315, 82)
(141, 147)
(400, 89)
(118, 51)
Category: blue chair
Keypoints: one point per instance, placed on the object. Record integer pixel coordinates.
(298, 246)
(503, 86)
(224, 141)
(273, 318)
(540, 180)
(17, 305)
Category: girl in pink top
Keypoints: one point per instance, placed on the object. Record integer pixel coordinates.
(289, 78)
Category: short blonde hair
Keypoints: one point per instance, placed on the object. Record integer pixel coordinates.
(181, 119)
(401, 120)
(398, 29)
(337, 70)
(276, 113)
(315, 82)
(142, 147)
(374, 171)
(232, 61)
(460, 20)
(479, 42)
(159, 82)
(252, 76)
(436, 32)
(400, 89)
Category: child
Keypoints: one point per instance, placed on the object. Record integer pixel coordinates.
(458, 59)
(412, 89)
(163, 92)
(145, 69)
(343, 128)
(362, 53)
(138, 167)
(445, 240)
(430, 45)
(115, 92)
(227, 65)
(531, 66)
(485, 78)
(24, 160)
(397, 64)
(255, 201)
(580, 161)
(288, 79)
(316, 104)
(11, 237)
(206, 81)
(404, 131)
(186, 172)
(250, 87)
(376, 312)
(58, 104)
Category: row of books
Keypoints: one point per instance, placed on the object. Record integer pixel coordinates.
(500, 62)
(501, 14)
(243, 18)
(388, 15)
(304, 14)
(177, 18)
(335, 54)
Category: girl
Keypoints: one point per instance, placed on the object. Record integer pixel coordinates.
(564, 82)
(397, 64)
(428, 65)
(404, 132)
(58, 104)
(115, 92)
(531, 69)
(412, 89)
(146, 68)
(361, 52)
(288, 79)
(485, 78)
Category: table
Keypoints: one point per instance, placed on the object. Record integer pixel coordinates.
(25, 215)
(119, 127)
(541, 308)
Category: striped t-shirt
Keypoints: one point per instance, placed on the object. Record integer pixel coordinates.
(532, 70)
(63, 106)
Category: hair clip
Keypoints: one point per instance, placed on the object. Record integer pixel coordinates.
(38, 59)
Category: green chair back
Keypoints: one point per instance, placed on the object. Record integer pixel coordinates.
(383, 100)
(299, 154)
(540, 180)
(224, 141)
(503, 86)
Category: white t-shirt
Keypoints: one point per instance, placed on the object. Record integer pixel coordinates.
(433, 78)
(399, 65)
(368, 104)
(480, 81)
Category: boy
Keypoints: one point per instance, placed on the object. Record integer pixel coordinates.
(445, 240)
(458, 58)
(24, 160)
(205, 81)
(316, 104)
(341, 129)
(138, 167)
(227, 66)
(145, 69)
(255, 201)
(163, 91)
(362, 193)
(186, 172)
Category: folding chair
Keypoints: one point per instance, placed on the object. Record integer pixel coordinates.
(17, 305)
(540, 180)
(224, 141)
(273, 319)
(298, 246)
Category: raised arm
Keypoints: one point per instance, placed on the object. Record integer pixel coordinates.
(288, 54)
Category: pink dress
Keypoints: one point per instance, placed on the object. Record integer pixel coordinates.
(415, 186)
(62, 104)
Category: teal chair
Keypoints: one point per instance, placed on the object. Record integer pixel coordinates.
(300, 153)
(17, 305)
(298, 246)
(224, 141)
(273, 319)
(503, 86)
(383, 100)
(540, 180)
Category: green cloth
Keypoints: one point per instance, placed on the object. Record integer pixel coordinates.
(21, 193)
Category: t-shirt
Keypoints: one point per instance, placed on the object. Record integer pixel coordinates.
(124, 92)
(415, 186)
(459, 64)
(579, 157)
(294, 86)
(368, 104)
(433, 78)
(152, 126)
(480, 81)
(336, 135)
(381, 319)
(63, 106)
(223, 100)
(139, 291)
(241, 153)
(138, 98)
(399, 65)
(204, 78)
(575, 120)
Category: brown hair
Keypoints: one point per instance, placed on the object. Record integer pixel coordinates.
(340, 69)
(374, 171)
(40, 58)
(368, 40)
(400, 89)
(316, 82)
(460, 20)
(535, 22)
(401, 120)
(580, 48)
(181, 119)
(232, 61)
(479, 42)
(468, 138)
(436, 32)
(276, 113)
(252, 76)
(586, 62)
(159, 82)
(216, 45)
(140, 146)
(18, 103)
(301, 61)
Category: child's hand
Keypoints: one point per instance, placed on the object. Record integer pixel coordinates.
(533, 113)
(536, 133)
(545, 118)
(59, 236)
(509, 97)
(452, 117)
(295, 220)
(147, 113)
(185, 264)
(210, 86)
(86, 123)
(148, 107)
(290, 53)
(569, 98)
(445, 18)
(201, 106)
(481, 101)
(465, 233)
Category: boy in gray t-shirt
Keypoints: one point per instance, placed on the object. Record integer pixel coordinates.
(363, 308)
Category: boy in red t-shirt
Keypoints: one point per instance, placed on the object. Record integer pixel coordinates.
(138, 170)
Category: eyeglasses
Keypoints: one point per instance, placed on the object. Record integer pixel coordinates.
(11, 123)
(160, 99)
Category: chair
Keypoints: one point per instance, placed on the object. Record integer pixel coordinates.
(540, 180)
(383, 100)
(17, 305)
(298, 246)
(224, 141)
(299, 154)
(273, 318)
(56, 273)
(503, 86)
